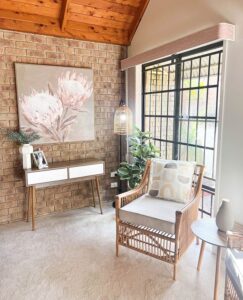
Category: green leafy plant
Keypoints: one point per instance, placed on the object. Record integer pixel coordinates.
(141, 149)
(22, 137)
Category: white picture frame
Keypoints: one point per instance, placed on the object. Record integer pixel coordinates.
(39, 159)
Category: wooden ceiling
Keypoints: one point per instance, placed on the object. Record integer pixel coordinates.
(110, 21)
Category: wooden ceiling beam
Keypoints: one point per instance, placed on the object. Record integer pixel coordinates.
(64, 13)
(123, 34)
(84, 33)
(98, 21)
(30, 8)
(20, 16)
(42, 3)
(99, 13)
(102, 4)
(90, 36)
(134, 3)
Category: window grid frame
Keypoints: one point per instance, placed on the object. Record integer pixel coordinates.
(178, 61)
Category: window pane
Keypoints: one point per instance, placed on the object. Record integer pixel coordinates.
(200, 133)
(171, 103)
(192, 132)
(163, 128)
(202, 102)
(212, 102)
(183, 131)
(147, 104)
(158, 104)
(210, 129)
(169, 151)
(209, 163)
(170, 128)
(184, 103)
(164, 103)
(214, 69)
(193, 102)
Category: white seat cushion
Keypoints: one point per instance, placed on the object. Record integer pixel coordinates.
(151, 212)
(234, 266)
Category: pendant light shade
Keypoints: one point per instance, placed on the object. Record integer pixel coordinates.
(123, 120)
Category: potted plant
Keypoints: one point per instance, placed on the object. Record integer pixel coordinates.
(24, 139)
(141, 149)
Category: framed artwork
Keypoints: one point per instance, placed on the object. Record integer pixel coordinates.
(39, 159)
(55, 102)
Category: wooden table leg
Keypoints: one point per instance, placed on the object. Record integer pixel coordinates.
(98, 192)
(201, 256)
(217, 271)
(33, 200)
(28, 204)
(92, 187)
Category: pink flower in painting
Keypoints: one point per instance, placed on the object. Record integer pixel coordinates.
(41, 108)
(74, 90)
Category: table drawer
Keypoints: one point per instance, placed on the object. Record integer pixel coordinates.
(46, 176)
(89, 170)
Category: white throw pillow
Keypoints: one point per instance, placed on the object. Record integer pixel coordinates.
(171, 179)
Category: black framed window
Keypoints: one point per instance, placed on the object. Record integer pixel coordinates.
(180, 109)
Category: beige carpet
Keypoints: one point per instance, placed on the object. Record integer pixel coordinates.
(72, 256)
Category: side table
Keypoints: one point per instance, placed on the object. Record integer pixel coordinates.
(207, 231)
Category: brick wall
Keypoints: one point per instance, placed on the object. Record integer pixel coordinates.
(104, 59)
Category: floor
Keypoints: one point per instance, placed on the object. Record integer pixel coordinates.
(72, 256)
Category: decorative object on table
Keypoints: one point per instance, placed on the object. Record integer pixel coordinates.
(56, 102)
(225, 216)
(24, 139)
(141, 149)
(40, 159)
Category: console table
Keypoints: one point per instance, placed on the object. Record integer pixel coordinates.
(62, 173)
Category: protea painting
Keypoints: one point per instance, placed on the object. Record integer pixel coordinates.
(56, 102)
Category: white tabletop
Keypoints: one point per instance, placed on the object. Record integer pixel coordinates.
(207, 230)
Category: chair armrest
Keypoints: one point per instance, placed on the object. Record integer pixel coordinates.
(184, 219)
(127, 197)
(235, 240)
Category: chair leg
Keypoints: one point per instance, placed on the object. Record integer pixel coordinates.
(174, 271)
(117, 236)
(117, 247)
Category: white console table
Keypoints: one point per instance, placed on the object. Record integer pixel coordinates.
(62, 173)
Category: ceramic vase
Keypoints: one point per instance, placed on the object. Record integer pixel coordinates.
(26, 150)
(225, 217)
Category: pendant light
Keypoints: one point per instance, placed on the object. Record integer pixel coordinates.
(123, 120)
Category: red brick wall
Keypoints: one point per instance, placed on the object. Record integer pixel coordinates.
(104, 59)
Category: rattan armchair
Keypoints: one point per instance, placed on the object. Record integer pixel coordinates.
(161, 245)
(232, 286)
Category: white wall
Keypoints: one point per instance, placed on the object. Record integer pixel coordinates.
(169, 20)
